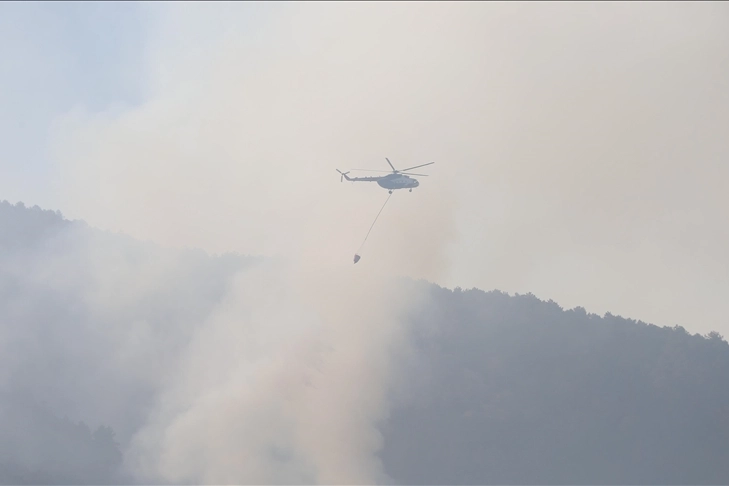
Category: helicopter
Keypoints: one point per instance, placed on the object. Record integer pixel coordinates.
(397, 179)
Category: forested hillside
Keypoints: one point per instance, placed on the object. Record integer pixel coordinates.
(490, 388)
(38, 447)
(515, 390)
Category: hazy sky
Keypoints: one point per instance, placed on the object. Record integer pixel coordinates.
(580, 148)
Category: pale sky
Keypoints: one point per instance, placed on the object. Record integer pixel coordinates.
(580, 148)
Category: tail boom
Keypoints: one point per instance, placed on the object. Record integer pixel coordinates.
(357, 179)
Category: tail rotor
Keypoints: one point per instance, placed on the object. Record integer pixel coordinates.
(344, 174)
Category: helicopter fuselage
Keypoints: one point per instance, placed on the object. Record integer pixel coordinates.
(397, 181)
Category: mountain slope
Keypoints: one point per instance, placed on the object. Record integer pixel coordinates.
(514, 390)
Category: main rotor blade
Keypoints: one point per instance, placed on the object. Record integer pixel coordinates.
(370, 170)
(393, 167)
(417, 166)
(410, 173)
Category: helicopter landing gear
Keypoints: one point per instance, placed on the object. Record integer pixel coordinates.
(410, 190)
(390, 192)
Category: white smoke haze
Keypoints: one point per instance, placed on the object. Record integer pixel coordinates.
(276, 371)
(560, 136)
(242, 155)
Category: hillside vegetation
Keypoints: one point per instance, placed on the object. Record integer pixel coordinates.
(515, 390)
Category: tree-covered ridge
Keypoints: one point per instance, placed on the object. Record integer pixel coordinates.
(21, 226)
(512, 389)
(38, 447)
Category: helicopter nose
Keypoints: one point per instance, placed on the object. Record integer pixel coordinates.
(417, 183)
